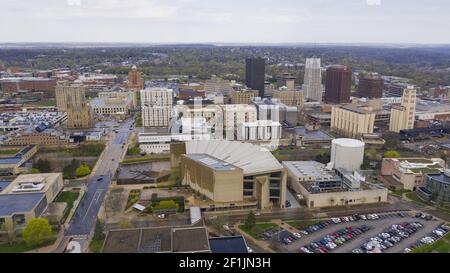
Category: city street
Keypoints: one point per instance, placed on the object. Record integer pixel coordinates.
(84, 219)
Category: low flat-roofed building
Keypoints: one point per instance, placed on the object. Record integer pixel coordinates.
(46, 138)
(229, 244)
(232, 174)
(409, 171)
(304, 137)
(321, 187)
(25, 198)
(112, 106)
(13, 164)
(181, 239)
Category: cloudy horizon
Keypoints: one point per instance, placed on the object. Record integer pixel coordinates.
(232, 21)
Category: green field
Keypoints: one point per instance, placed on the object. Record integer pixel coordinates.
(258, 229)
(9, 152)
(21, 247)
(133, 198)
(95, 246)
(147, 158)
(441, 246)
(302, 224)
(68, 197)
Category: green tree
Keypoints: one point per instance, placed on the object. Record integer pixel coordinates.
(43, 165)
(250, 221)
(392, 154)
(83, 170)
(37, 232)
(34, 170)
(69, 170)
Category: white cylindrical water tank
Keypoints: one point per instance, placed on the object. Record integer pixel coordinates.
(347, 153)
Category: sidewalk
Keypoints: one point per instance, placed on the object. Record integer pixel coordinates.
(51, 248)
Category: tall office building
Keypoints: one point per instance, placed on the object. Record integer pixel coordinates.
(156, 105)
(312, 85)
(403, 116)
(255, 74)
(135, 80)
(338, 84)
(371, 86)
(66, 92)
(71, 99)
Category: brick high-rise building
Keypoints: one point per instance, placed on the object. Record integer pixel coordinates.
(371, 86)
(255, 74)
(338, 84)
(135, 80)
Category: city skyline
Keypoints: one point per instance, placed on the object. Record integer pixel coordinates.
(198, 21)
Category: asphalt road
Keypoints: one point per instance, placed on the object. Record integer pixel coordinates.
(84, 219)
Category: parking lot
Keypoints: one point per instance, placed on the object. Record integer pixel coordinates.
(354, 236)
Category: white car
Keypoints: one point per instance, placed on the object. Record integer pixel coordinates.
(363, 217)
(297, 235)
(249, 250)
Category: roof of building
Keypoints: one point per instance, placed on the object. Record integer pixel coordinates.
(232, 244)
(441, 177)
(313, 169)
(250, 158)
(193, 239)
(212, 162)
(312, 135)
(16, 203)
(348, 142)
(3, 185)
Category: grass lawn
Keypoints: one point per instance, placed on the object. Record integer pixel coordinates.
(9, 152)
(441, 246)
(147, 158)
(95, 246)
(22, 247)
(68, 197)
(400, 193)
(302, 224)
(413, 196)
(258, 229)
(133, 198)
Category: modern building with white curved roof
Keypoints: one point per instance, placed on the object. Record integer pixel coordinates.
(233, 174)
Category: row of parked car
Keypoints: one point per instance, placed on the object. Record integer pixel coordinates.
(435, 235)
(356, 217)
(390, 237)
(270, 233)
(334, 240)
(287, 237)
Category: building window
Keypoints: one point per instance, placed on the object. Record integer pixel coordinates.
(18, 219)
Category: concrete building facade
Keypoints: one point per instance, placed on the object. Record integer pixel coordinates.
(312, 85)
(403, 116)
(233, 174)
(352, 120)
(156, 106)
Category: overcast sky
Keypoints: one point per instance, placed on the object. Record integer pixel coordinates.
(226, 21)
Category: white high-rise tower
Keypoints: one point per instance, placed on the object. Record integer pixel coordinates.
(312, 84)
